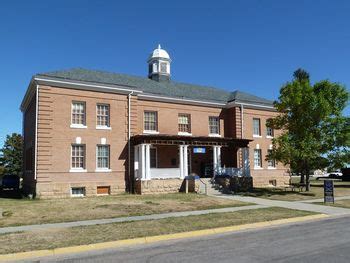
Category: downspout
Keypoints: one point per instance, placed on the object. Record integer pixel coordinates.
(129, 137)
(36, 130)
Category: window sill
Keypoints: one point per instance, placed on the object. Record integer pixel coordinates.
(269, 137)
(271, 168)
(77, 170)
(103, 128)
(184, 134)
(150, 132)
(77, 196)
(257, 136)
(258, 168)
(214, 135)
(78, 126)
(103, 170)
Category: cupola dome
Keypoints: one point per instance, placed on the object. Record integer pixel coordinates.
(159, 65)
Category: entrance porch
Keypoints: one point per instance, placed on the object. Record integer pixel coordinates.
(162, 162)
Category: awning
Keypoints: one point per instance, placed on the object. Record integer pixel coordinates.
(166, 139)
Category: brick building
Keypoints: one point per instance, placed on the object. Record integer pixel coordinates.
(92, 132)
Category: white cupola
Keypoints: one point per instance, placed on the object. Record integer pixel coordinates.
(159, 65)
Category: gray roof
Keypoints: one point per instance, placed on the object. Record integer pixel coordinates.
(167, 89)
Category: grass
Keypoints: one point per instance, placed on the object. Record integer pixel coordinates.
(338, 203)
(26, 212)
(316, 191)
(27, 241)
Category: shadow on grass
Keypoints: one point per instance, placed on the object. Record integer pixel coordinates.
(268, 192)
(11, 194)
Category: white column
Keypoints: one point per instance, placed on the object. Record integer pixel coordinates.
(148, 162)
(136, 161)
(218, 157)
(215, 160)
(181, 161)
(185, 162)
(142, 159)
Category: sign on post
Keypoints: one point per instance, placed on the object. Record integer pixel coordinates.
(328, 188)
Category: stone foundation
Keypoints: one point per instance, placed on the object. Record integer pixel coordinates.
(63, 190)
(162, 186)
(269, 177)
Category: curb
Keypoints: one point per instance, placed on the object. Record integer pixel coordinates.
(153, 239)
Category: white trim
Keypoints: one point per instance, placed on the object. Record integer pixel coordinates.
(214, 135)
(77, 170)
(150, 132)
(177, 100)
(36, 131)
(269, 137)
(271, 168)
(257, 136)
(258, 168)
(237, 103)
(101, 170)
(78, 126)
(103, 127)
(86, 85)
(184, 133)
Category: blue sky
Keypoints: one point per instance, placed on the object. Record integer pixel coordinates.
(252, 46)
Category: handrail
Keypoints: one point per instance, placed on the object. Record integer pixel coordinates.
(205, 186)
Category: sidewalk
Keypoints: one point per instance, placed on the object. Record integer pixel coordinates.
(321, 199)
(4, 230)
(298, 205)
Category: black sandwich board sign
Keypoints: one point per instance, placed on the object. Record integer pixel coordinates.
(328, 188)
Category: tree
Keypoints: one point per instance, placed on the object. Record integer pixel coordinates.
(315, 134)
(11, 154)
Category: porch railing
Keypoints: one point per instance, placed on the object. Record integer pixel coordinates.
(165, 173)
(228, 171)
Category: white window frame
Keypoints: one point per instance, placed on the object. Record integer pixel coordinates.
(77, 125)
(144, 123)
(77, 169)
(78, 195)
(254, 134)
(260, 159)
(218, 127)
(189, 124)
(269, 162)
(103, 169)
(103, 127)
(273, 132)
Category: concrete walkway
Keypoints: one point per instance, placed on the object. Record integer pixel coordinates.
(329, 210)
(125, 219)
(321, 199)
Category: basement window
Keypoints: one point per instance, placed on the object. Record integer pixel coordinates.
(78, 191)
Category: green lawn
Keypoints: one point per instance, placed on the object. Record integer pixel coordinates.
(26, 212)
(316, 191)
(27, 241)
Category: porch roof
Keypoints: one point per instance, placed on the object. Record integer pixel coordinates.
(167, 139)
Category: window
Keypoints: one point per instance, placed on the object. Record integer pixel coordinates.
(256, 127)
(214, 125)
(257, 158)
(78, 113)
(78, 157)
(102, 111)
(163, 67)
(184, 123)
(78, 191)
(269, 132)
(103, 157)
(271, 163)
(153, 157)
(150, 121)
(103, 190)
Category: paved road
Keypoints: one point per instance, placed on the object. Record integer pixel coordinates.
(318, 241)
